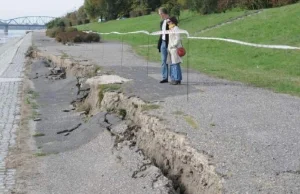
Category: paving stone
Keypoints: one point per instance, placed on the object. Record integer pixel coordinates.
(12, 62)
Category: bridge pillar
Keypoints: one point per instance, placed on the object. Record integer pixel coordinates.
(6, 29)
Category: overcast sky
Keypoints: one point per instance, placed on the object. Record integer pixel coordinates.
(16, 8)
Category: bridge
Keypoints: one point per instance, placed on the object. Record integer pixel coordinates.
(37, 22)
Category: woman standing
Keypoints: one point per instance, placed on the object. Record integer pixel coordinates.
(173, 58)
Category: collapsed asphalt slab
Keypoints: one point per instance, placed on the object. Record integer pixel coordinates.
(78, 155)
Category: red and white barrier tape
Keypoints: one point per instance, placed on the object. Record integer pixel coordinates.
(180, 31)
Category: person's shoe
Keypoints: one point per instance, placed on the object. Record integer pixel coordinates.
(174, 82)
(179, 82)
(163, 81)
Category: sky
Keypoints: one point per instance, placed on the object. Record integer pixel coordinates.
(17, 8)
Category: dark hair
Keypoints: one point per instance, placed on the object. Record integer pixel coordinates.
(163, 10)
(173, 20)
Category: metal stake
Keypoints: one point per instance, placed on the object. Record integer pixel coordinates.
(187, 75)
(148, 54)
(122, 50)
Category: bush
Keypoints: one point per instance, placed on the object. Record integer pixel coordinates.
(54, 31)
(175, 11)
(58, 38)
(139, 12)
(96, 37)
(223, 5)
(92, 37)
(56, 23)
(50, 33)
(254, 4)
(71, 29)
(209, 6)
(61, 37)
(88, 38)
(204, 6)
(77, 37)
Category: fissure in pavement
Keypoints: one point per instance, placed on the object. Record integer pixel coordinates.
(190, 171)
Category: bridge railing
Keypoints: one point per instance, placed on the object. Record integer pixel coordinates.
(26, 21)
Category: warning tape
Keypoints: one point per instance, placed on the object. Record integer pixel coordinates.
(180, 31)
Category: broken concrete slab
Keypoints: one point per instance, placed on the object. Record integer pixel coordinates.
(106, 79)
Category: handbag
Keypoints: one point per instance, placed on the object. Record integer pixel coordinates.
(181, 50)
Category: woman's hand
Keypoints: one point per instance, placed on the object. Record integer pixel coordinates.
(173, 46)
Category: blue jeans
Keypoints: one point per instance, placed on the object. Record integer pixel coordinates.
(164, 65)
(175, 72)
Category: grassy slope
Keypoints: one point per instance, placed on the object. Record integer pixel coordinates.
(272, 26)
(275, 69)
(151, 22)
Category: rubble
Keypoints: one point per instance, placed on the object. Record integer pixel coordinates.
(57, 73)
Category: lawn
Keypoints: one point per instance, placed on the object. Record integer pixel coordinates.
(278, 70)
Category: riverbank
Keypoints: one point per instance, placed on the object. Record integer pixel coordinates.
(224, 137)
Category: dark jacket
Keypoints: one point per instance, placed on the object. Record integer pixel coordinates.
(160, 37)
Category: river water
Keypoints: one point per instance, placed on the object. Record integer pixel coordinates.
(11, 34)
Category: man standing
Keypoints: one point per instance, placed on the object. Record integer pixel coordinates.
(163, 44)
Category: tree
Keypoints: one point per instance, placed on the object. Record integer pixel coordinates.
(173, 8)
(183, 3)
(57, 22)
(81, 16)
(93, 8)
(108, 9)
(175, 11)
(71, 18)
(153, 4)
(117, 8)
(139, 8)
(203, 6)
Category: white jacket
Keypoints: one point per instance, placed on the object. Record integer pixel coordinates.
(174, 43)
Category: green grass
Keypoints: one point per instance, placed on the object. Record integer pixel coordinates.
(84, 107)
(35, 114)
(33, 94)
(122, 113)
(109, 87)
(178, 112)
(191, 121)
(40, 154)
(38, 135)
(27, 100)
(64, 55)
(271, 26)
(188, 20)
(34, 105)
(106, 88)
(147, 107)
(278, 70)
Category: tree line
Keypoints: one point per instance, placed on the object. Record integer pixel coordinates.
(92, 10)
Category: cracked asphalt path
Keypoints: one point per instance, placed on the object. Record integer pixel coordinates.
(87, 160)
(251, 133)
